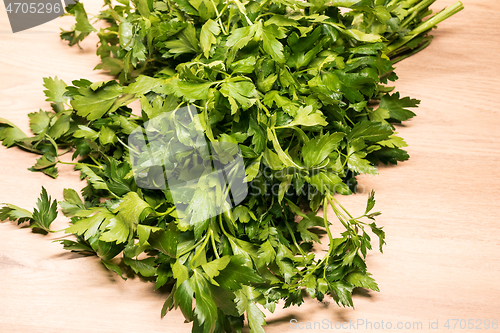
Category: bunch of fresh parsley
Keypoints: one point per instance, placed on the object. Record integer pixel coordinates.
(300, 87)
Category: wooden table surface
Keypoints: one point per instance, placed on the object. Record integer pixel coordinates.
(440, 208)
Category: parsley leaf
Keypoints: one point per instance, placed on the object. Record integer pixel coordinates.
(94, 103)
(397, 106)
(45, 213)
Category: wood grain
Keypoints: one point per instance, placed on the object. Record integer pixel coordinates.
(440, 208)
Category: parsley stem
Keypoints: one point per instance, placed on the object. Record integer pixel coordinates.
(200, 250)
(439, 17)
(414, 51)
(330, 246)
(421, 5)
(168, 211)
(264, 3)
(325, 219)
(218, 17)
(64, 151)
(213, 243)
(115, 15)
(294, 239)
(127, 146)
(222, 227)
(241, 8)
(222, 11)
(327, 227)
(78, 163)
(263, 14)
(340, 153)
(352, 122)
(93, 159)
(345, 210)
(191, 248)
(230, 17)
(346, 157)
(280, 151)
(425, 26)
(314, 269)
(54, 144)
(338, 213)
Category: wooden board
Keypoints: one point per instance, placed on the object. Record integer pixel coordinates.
(440, 208)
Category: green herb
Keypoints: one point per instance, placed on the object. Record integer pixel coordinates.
(42, 216)
(299, 87)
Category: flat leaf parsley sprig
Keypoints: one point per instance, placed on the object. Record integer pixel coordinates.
(300, 87)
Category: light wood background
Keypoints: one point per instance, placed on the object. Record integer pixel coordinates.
(440, 208)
